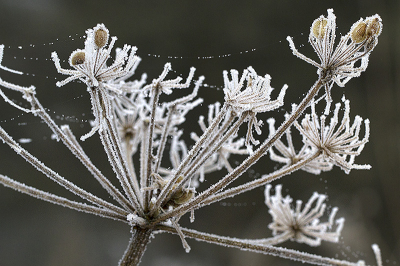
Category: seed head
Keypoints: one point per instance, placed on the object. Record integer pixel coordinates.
(359, 33)
(77, 58)
(100, 37)
(367, 29)
(318, 27)
(373, 26)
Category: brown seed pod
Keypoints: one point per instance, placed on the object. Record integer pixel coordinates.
(77, 58)
(182, 196)
(359, 33)
(373, 27)
(100, 37)
(318, 27)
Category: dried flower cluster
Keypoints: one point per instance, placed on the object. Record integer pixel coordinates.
(338, 63)
(163, 185)
(302, 226)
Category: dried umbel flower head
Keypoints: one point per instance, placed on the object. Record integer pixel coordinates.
(90, 64)
(256, 95)
(288, 155)
(302, 226)
(338, 142)
(338, 63)
(151, 196)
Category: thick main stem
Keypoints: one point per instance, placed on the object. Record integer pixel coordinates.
(137, 246)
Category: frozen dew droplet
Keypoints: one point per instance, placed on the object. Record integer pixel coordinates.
(24, 140)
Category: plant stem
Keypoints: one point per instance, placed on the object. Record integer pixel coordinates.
(265, 179)
(261, 151)
(137, 246)
(263, 249)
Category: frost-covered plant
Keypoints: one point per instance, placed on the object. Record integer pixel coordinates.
(163, 185)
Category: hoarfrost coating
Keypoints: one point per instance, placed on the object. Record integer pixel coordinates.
(163, 185)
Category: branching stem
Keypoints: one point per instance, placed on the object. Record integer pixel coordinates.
(261, 151)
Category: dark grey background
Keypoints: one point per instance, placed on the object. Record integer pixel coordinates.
(33, 232)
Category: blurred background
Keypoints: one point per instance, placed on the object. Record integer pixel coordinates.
(212, 36)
